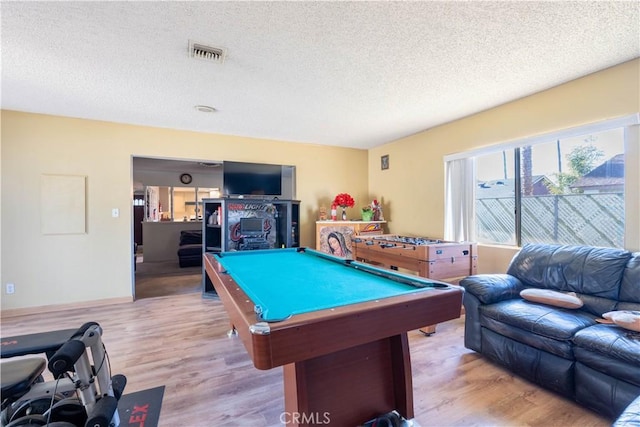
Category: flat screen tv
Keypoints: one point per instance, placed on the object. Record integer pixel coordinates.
(250, 226)
(252, 179)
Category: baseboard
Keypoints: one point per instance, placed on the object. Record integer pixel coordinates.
(14, 312)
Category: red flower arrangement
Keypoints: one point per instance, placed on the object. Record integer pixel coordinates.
(344, 200)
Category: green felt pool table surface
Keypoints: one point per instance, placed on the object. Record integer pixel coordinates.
(285, 282)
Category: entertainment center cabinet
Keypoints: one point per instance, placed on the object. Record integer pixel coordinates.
(240, 224)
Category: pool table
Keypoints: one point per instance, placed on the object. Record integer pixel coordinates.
(338, 327)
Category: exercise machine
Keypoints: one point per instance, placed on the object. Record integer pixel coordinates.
(83, 391)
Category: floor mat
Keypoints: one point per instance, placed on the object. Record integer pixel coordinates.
(141, 408)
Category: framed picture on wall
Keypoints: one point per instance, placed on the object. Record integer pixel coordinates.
(384, 162)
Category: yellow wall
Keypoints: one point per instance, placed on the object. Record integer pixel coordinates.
(50, 270)
(412, 189)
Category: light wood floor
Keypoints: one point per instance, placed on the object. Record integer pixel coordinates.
(167, 285)
(157, 279)
(180, 342)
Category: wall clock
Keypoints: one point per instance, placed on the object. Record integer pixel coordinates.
(185, 178)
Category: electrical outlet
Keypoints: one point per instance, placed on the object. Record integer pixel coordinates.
(11, 288)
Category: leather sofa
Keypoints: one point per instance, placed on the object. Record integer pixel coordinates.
(564, 350)
(190, 248)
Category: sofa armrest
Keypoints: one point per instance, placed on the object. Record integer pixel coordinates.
(490, 288)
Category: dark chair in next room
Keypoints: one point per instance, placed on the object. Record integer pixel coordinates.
(190, 248)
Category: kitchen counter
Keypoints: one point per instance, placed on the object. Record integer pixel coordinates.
(161, 239)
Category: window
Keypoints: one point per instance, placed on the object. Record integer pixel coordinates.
(176, 203)
(565, 190)
(495, 203)
(565, 187)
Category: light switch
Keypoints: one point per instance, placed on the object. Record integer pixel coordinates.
(115, 212)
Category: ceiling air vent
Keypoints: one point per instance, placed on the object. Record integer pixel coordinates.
(206, 53)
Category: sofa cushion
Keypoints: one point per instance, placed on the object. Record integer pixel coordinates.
(597, 305)
(582, 269)
(561, 348)
(190, 237)
(612, 341)
(552, 322)
(632, 306)
(554, 298)
(190, 250)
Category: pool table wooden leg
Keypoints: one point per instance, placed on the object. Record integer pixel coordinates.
(431, 329)
(428, 330)
(350, 386)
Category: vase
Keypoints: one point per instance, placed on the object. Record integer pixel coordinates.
(367, 215)
(344, 214)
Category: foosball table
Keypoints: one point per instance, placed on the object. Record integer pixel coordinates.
(431, 258)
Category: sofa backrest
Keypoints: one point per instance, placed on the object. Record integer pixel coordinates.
(588, 270)
(630, 286)
(190, 237)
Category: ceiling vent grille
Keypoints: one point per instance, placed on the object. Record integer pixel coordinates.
(206, 53)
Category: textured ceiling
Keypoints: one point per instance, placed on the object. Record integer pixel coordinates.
(354, 74)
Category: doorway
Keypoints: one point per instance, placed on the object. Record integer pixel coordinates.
(158, 220)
